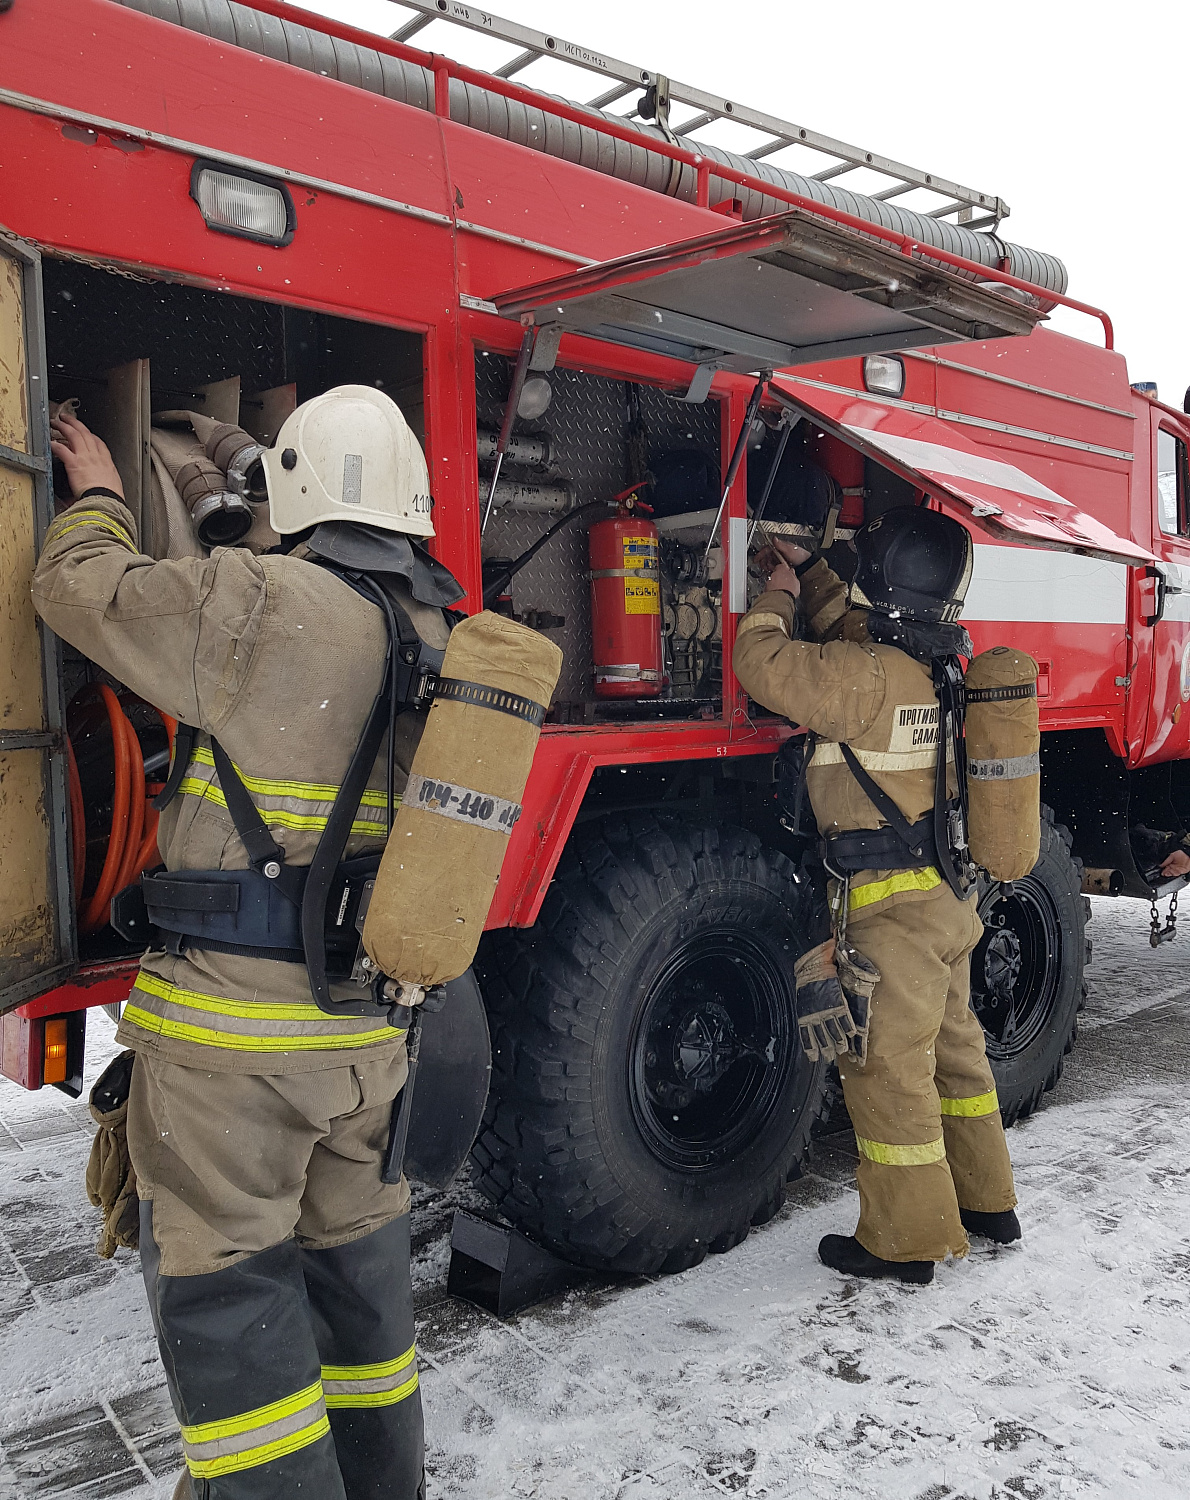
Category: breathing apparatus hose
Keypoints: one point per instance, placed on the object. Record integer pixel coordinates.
(132, 836)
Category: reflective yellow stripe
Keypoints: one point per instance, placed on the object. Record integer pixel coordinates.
(370, 1372)
(311, 791)
(100, 522)
(256, 1437)
(235, 1041)
(279, 817)
(288, 804)
(250, 1010)
(969, 1109)
(900, 880)
(902, 1156)
(251, 1025)
(209, 1432)
(250, 1458)
(370, 1385)
(373, 1398)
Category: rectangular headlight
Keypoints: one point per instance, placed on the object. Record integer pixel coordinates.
(242, 204)
(884, 374)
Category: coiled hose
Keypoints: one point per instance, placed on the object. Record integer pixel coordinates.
(132, 835)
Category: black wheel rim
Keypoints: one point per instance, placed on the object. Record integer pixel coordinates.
(712, 1046)
(1016, 970)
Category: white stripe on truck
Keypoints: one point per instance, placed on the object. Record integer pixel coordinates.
(1045, 588)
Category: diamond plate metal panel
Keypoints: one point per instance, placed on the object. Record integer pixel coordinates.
(586, 424)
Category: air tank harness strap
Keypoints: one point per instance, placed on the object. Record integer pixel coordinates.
(916, 839)
(183, 749)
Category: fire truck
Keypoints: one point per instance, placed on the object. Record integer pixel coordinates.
(587, 316)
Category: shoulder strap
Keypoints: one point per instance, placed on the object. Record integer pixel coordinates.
(948, 684)
(884, 804)
(330, 851)
(183, 749)
(262, 848)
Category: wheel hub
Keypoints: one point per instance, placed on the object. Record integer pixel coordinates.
(712, 1048)
(1014, 970)
(705, 1046)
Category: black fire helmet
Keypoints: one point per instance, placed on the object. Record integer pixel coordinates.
(913, 564)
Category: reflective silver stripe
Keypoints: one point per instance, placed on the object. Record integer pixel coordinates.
(461, 804)
(1010, 768)
(382, 1384)
(302, 806)
(165, 1010)
(256, 1437)
(828, 753)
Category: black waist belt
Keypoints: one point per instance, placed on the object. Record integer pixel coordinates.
(882, 848)
(241, 912)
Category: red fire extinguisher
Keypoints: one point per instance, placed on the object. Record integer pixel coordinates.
(626, 604)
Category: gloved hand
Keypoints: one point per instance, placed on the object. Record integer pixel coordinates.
(859, 977)
(823, 1016)
(111, 1178)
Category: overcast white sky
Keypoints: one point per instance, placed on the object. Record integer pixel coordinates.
(1074, 113)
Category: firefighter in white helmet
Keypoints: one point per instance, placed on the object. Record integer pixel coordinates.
(276, 1258)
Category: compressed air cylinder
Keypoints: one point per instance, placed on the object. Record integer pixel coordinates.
(442, 861)
(1003, 763)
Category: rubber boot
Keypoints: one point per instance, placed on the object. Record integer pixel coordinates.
(1004, 1227)
(361, 1303)
(843, 1252)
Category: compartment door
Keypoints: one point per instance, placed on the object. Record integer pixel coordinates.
(788, 290)
(37, 933)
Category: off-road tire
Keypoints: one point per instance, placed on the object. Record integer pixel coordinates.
(1048, 916)
(572, 1148)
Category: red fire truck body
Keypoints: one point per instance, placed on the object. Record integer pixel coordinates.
(406, 220)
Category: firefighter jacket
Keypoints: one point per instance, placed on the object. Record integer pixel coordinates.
(845, 688)
(279, 660)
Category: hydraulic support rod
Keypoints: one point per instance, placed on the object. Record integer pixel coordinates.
(789, 421)
(737, 456)
(521, 369)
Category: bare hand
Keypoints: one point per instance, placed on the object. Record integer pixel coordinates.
(784, 578)
(84, 457)
(1177, 863)
(790, 552)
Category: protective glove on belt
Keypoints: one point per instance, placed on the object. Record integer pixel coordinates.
(834, 998)
(111, 1178)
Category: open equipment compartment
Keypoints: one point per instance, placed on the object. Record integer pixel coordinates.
(127, 347)
(597, 437)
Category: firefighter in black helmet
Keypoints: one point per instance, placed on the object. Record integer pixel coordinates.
(877, 683)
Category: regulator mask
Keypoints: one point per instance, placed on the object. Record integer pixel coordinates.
(912, 575)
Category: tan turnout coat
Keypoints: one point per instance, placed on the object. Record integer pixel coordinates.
(280, 661)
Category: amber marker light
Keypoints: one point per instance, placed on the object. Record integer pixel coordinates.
(53, 1068)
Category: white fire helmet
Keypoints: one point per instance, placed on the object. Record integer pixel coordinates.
(348, 455)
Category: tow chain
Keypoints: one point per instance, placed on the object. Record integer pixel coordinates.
(1159, 934)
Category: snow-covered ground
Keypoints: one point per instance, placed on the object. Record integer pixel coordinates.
(1058, 1367)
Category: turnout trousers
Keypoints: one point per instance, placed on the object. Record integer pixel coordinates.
(923, 1106)
(277, 1269)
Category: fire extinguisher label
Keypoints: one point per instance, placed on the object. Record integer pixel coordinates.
(642, 589)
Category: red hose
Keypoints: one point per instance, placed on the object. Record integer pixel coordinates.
(134, 833)
(95, 914)
(78, 823)
(132, 838)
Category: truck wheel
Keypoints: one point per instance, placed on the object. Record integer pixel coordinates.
(650, 1097)
(1027, 973)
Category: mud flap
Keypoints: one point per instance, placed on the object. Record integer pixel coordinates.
(454, 1069)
